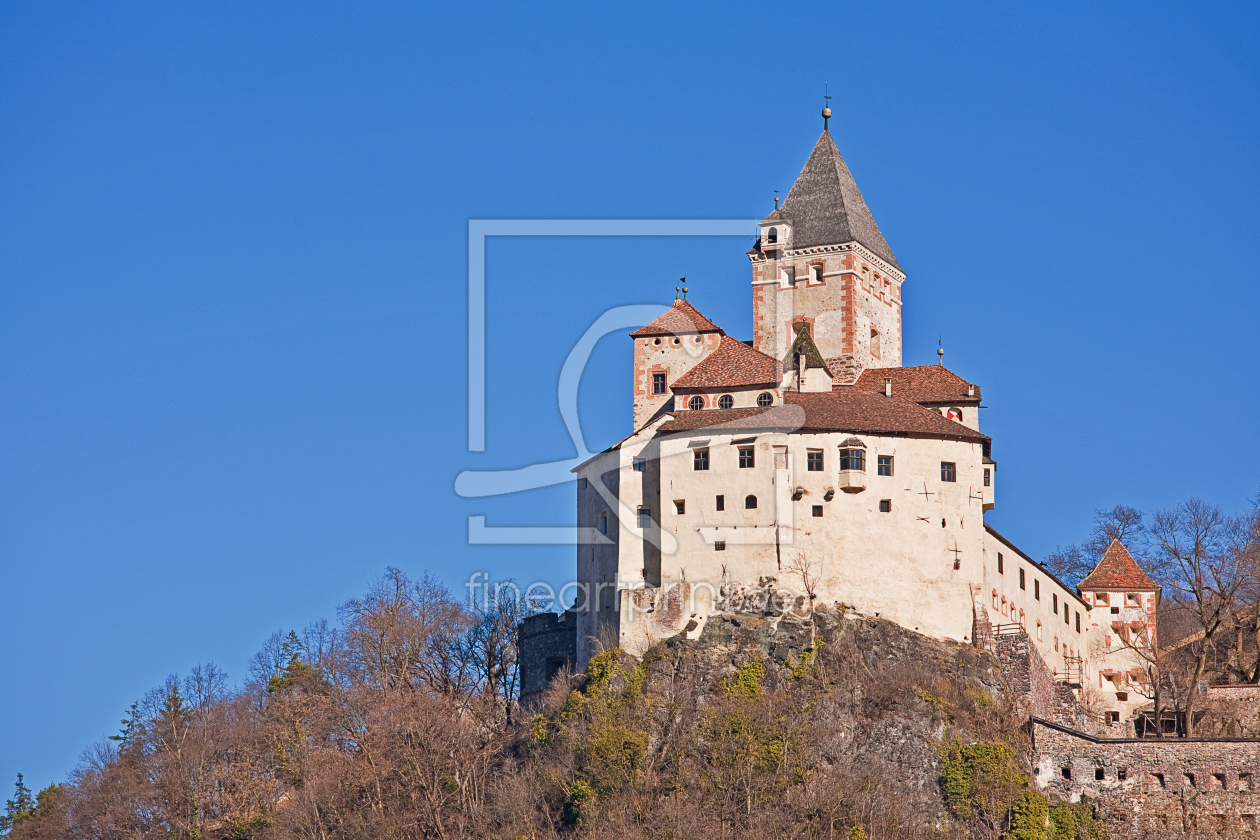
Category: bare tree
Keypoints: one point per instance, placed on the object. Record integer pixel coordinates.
(1121, 522)
(1201, 557)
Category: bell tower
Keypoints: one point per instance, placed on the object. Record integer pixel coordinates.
(821, 263)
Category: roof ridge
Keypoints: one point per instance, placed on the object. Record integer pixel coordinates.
(680, 318)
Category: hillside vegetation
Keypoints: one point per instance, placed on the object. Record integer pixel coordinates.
(397, 724)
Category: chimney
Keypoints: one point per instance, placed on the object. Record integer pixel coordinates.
(887, 386)
(971, 390)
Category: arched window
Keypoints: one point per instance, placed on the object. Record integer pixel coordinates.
(750, 503)
(954, 414)
(726, 401)
(696, 403)
(875, 343)
(764, 399)
(773, 236)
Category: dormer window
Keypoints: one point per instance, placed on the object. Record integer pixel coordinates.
(764, 400)
(695, 403)
(726, 401)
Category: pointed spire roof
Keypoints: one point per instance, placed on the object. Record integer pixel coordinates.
(1117, 570)
(825, 206)
(680, 319)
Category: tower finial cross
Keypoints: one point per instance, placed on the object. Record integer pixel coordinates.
(826, 111)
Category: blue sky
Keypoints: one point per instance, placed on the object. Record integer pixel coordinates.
(233, 276)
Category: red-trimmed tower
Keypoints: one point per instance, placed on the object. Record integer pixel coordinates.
(663, 351)
(822, 263)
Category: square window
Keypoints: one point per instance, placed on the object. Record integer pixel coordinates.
(949, 471)
(1000, 569)
(638, 464)
(1099, 773)
(817, 510)
(721, 503)
(1021, 579)
(1121, 773)
(885, 505)
(1115, 611)
(814, 460)
(719, 545)
(700, 459)
(987, 479)
(884, 465)
(645, 518)
(680, 506)
(658, 383)
(747, 458)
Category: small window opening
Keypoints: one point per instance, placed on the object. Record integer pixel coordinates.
(1036, 589)
(659, 385)
(695, 403)
(726, 401)
(885, 505)
(1054, 601)
(1099, 774)
(773, 236)
(1000, 570)
(987, 479)
(750, 503)
(875, 343)
(719, 545)
(949, 471)
(814, 460)
(747, 459)
(1121, 774)
(638, 464)
(885, 465)
(720, 503)
(817, 510)
(680, 506)
(645, 518)
(1021, 579)
(700, 459)
(764, 400)
(1067, 772)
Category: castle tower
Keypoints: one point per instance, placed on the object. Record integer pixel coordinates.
(822, 264)
(663, 351)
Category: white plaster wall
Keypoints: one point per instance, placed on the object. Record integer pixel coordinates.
(1056, 639)
(1109, 652)
(898, 565)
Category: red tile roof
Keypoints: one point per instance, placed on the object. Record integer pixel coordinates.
(841, 410)
(921, 384)
(732, 365)
(680, 319)
(1117, 570)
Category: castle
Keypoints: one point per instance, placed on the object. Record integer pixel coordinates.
(808, 466)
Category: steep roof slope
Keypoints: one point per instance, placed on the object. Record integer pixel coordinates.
(921, 384)
(1117, 570)
(825, 206)
(733, 364)
(680, 319)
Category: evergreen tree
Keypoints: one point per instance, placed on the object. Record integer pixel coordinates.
(20, 807)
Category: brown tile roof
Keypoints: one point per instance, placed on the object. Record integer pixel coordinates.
(680, 319)
(732, 365)
(1067, 590)
(842, 410)
(1117, 570)
(921, 384)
